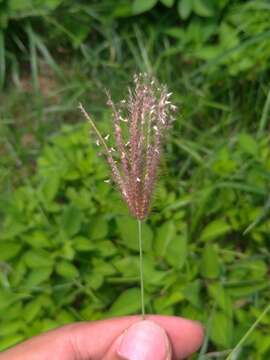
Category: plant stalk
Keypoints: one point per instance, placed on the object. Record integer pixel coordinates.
(141, 268)
(243, 339)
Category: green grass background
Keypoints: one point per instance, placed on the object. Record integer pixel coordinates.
(68, 248)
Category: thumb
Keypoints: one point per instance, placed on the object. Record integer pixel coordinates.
(144, 340)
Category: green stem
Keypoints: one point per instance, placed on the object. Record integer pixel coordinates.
(141, 267)
(240, 343)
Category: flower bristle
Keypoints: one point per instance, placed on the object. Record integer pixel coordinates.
(140, 123)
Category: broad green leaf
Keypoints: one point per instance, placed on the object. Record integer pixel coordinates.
(98, 228)
(94, 280)
(184, 8)
(128, 266)
(87, 312)
(81, 198)
(37, 259)
(67, 270)
(103, 267)
(210, 267)
(225, 164)
(248, 144)
(176, 253)
(14, 229)
(52, 4)
(4, 281)
(28, 5)
(79, 31)
(220, 297)
(192, 312)
(208, 52)
(165, 235)
(8, 250)
(168, 3)
(10, 340)
(38, 239)
(50, 186)
(64, 317)
(67, 251)
(264, 345)
(177, 33)
(71, 220)
(127, 303)
(20, 5)
(221, 329)
(122, 9)
(83, 244)
(203, 200)
(164, 302)
(215, 229)
(8, 298)
(253, 269)
(11, 328)
(228, 36)
(32, 309)
(48, 324)
(258, 269)
(140, 6)
(106, 248)
(4, 18)
(151, 274)
(203, 8)
(19, 272)
(192, 293)
(38, 276)
(128, 228)
(242, 289)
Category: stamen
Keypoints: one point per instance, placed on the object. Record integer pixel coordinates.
(123, 119)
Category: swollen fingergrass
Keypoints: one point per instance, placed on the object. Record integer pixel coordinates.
(140, 123)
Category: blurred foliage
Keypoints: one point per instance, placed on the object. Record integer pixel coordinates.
(211, 35)
(68, 248)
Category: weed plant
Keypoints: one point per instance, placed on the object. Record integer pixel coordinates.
(66, 252)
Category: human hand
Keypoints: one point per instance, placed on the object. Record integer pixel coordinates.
(127, 338)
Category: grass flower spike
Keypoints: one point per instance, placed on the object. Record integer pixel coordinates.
(140, 123)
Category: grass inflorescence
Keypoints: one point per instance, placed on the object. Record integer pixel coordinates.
(140, 123)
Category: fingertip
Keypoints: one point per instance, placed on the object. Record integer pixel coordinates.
(143, 340)
(197, 331)
(186, 335)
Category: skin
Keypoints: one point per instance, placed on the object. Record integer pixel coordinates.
(100, 340)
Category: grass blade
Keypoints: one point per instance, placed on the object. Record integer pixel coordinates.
(46, 55)
(33, 57)
(241, 342)
(263, 120)
(2, 60)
